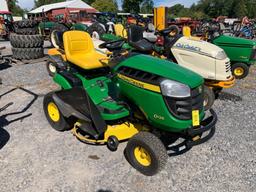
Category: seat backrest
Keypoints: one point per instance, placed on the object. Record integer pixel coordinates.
(135, 33)
(77, 42)
(120, 30)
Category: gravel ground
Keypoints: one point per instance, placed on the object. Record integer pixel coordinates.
(34, 157)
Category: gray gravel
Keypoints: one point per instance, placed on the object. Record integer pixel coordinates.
(34, 157)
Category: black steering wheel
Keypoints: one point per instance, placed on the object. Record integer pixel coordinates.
(112, 45)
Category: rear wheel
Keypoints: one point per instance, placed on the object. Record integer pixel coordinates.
(209, 98)
(146, 153)
(55, 28)
(240, 70)
(54, 116)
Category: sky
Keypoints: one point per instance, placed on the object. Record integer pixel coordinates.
(28, 4)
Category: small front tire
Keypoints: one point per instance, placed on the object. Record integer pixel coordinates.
(146, 153)
(240, 70)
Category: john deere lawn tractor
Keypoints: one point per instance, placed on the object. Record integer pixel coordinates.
(242, 53)
(202, 57)
(125, 96)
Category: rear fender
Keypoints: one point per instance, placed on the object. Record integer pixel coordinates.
(62, 81)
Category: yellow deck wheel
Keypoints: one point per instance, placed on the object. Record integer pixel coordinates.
(142, 156)
(53, 112)
(239, 71)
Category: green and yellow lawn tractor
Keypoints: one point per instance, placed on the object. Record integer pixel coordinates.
(242, 53)
(125, 96)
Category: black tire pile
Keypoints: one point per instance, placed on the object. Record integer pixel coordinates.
(26, 42)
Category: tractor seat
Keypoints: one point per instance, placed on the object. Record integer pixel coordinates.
(120, 30)
(79, 50)
(136, 40)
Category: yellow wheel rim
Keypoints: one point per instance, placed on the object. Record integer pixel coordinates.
(142, 156)
(53, 112)
(239, 71)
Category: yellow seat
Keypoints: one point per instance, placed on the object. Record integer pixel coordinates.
(80, 51)
(120, 30)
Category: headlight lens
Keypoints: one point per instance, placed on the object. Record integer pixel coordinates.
(174, 89)
(220, 55)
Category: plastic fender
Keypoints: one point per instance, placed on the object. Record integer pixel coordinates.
(62, 81)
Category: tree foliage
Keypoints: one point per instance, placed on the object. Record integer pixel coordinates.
(14, 8)
(215, 8)
(147, 6)
(106, 6)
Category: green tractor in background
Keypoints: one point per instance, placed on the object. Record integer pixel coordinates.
(125, 96)
(241, 52)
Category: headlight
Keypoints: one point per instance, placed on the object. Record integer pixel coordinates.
(174, 89)
(220, 55)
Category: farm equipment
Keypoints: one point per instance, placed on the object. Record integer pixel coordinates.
(6, 24)
(241, 51)
(125, 96)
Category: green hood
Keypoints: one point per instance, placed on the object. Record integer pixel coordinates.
(163, 68)
(233, 41)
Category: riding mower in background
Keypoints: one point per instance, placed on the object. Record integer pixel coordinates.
(241, 52)
(125, 96)
(202, 57)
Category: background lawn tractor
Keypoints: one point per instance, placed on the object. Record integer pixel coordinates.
(125, 96)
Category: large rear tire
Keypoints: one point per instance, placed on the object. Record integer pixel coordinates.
(57, 27)
(146, 153)
(96, 30)
(27, 53)
(26, 41)
(54, 116)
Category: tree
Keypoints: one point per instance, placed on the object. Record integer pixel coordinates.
(39, 3)
(240, 9)
(106, 6)
(131, 6)
(147, 6)
(14, 8)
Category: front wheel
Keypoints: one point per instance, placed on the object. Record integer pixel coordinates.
(54, 115)
(209, 98)
(146, 153)
(240, 70)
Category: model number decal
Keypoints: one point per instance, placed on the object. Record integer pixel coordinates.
(187, 46)
(158, 117)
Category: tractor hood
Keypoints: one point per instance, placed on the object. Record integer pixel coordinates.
(197, 46)
(233, 42)
(163, 68)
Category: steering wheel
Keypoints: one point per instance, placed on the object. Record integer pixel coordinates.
(112, 45)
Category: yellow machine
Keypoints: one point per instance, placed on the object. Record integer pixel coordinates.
(160, 17)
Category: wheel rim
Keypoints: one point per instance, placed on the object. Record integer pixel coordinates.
(206, 100)
(53, 40)
(95, 35)
(52, 68)
(142, 156)
(239, 71)
(53, 112)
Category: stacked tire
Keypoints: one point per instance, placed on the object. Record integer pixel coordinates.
(26, 43)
